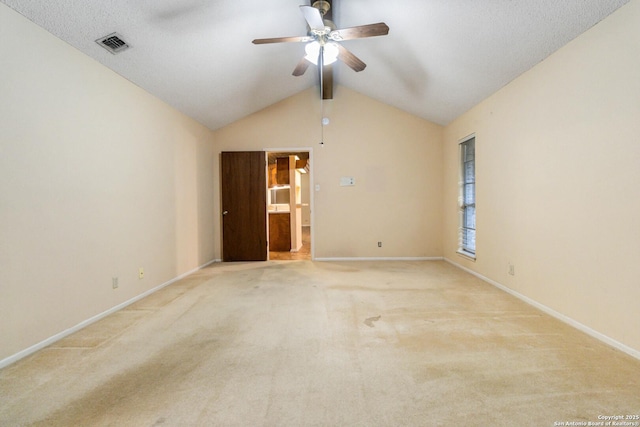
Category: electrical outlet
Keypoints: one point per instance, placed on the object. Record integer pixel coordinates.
(512, 269)
(114, 282)
(379, 244)
(141, 273)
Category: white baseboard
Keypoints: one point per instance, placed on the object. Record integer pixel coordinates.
(568, 320)
(380, 259)
(42, 344)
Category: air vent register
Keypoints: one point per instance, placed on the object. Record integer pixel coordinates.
(113, 43)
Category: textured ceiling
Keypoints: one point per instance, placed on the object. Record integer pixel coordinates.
(441, 57)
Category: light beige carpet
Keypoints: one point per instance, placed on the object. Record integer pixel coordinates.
(323, 344)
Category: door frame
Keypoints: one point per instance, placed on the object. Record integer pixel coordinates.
(311, 188)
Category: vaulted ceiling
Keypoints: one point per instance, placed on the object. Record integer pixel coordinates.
(440, 58)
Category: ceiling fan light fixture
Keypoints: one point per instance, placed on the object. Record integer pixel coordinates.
(312, 51)
(329, 52)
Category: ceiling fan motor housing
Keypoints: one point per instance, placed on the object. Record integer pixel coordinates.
(322, 6)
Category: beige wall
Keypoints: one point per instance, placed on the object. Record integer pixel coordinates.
(395, 158)
(558, 168)
(97, 178)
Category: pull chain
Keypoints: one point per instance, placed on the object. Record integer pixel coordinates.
(321, 65)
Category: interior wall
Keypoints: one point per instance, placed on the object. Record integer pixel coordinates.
(305, 194)
(97, 179)
(557, 168)
(394, 157)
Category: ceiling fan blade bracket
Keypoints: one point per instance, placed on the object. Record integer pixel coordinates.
(335, 36)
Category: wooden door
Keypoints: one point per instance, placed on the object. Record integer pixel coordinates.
(244, 206)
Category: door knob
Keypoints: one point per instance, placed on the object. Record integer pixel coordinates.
(225, 212)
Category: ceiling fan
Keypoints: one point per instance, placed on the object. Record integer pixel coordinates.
(323, 43)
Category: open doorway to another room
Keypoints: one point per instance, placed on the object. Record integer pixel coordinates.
(289, 205)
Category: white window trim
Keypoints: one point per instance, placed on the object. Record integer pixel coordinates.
(466, 254)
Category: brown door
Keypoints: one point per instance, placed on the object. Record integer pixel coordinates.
(244, 206)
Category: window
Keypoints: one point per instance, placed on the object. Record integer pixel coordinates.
(468, 190)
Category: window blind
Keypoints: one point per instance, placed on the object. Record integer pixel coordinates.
(468, 217)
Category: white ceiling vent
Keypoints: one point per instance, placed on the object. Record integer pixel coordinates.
(113, 43)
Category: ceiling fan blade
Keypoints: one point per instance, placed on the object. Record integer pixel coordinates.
(313, 17)
(361, 31)
(350, 59)
(301, 67)
(283, 40)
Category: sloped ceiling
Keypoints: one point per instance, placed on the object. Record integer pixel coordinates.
(441, 57)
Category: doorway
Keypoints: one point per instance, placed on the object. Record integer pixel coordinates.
(289, 204)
